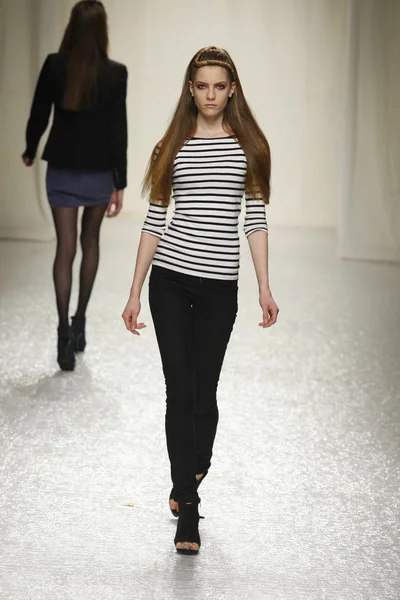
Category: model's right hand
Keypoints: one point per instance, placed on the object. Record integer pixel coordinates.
(115, 204)
(130, 316)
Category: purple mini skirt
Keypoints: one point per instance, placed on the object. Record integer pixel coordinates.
(67, 187)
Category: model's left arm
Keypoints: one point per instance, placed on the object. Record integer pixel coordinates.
(256, 230)
(40, 112)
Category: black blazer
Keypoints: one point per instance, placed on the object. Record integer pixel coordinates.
(88, 139)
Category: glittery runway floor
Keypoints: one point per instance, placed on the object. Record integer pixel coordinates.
(303, 499)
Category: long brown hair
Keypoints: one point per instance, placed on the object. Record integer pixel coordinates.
(237, 118)
(85, 43)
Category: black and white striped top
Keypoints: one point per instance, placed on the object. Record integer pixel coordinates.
(208, 184)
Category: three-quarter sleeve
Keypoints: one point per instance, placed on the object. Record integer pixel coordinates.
(255, 219)
(40, 110)
(119, 132)
(156, 220)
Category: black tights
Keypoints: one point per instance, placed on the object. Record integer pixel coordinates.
(193, 319)
(65, 221)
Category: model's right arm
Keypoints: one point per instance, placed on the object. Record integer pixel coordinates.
(119, 131)
(153, 229)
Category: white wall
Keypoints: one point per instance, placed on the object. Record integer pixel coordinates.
(28, 31)
(369, 224)
(289, 56)
(321, 76)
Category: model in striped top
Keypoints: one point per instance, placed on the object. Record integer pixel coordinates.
(212, 154)
(208, 185)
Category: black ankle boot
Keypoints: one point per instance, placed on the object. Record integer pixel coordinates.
(188, 527)
(78, 327)
(65, 349)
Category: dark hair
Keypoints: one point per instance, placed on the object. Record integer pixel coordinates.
(85, 43)
(238, 119)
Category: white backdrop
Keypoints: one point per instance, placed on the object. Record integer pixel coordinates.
(28, 31)
(289, 56)
(297, 73)
(369, 223)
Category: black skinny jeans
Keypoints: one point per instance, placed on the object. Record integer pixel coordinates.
(193, 319)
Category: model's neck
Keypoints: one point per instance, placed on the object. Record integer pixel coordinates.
(209, 127)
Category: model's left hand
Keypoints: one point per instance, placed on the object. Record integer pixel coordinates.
(269, 308)
(28, 162)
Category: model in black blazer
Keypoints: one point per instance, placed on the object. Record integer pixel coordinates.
(86, 139)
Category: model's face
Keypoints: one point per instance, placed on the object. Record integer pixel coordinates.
(211, 90)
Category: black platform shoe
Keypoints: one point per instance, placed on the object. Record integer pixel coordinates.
(188, 527)
(78, 327)
(65, 349)
(175, 512)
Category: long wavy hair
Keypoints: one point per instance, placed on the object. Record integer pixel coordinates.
(237, 119)
(85, 44)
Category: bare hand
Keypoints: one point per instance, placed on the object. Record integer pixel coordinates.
(130, 316)
(28, 162)
(269, 308)
(116, 202)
